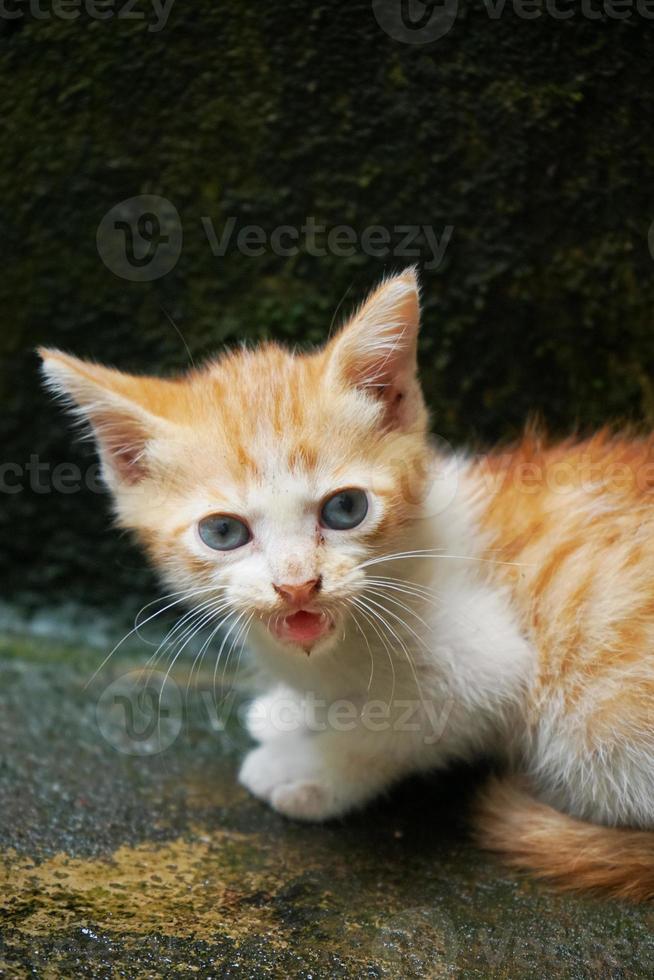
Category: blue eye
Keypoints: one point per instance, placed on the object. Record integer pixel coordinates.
(223, 532)
(346, 509)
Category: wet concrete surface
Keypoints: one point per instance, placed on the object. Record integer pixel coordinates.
(129, 851)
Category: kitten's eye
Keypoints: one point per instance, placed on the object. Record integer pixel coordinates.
(346, 509)
(223, 532)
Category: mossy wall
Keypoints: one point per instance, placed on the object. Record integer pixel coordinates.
(532, 138)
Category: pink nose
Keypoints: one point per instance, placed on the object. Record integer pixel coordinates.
(297, 595)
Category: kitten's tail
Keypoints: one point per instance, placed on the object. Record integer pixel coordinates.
(568, 852)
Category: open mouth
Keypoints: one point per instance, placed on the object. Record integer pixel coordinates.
(303, 627)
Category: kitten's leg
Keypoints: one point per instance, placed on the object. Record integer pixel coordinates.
(278, 712)
(592, 775)
(317, 776)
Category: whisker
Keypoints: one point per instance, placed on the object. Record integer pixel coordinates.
(403, 645)
(430, 595)
(241, 641)
(191, 631)
(422, 590)
(401, 605)
(197, 660)
(236, 642)
(370, 615)
(363, 634)
(179, 651)
(429, 598)
(185, 594)
(435, 553)
(135, 630)
(239, 616)
(209, 639)
(185, 623)
(400, 621)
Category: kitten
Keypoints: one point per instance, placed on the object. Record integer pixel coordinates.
(409, 607)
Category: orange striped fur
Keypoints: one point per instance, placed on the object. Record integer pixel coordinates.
(577, 517)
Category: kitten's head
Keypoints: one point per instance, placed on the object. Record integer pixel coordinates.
(268, 478)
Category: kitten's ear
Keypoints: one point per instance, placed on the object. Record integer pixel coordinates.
(376, 350)
(125, 412)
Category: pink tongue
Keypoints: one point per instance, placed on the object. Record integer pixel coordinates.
(303, 626)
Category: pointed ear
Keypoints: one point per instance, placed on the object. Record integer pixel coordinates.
(124, 411)
(376, 350)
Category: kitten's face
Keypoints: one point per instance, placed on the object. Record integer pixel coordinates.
(266, 480)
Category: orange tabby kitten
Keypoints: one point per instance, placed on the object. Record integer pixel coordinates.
(448, 606)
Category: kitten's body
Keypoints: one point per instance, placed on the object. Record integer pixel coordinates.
(502, 605)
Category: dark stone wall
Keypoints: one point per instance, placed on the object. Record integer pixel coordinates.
(533, 139)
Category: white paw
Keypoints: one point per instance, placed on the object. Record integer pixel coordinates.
(268, 767)
(304, 800)
(292, 775)
(287, 774)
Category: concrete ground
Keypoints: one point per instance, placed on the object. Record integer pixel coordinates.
(128, 850)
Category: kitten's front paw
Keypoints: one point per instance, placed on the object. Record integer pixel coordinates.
(268, 767)
(304, 800)
(262, 770)
(285, 774)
